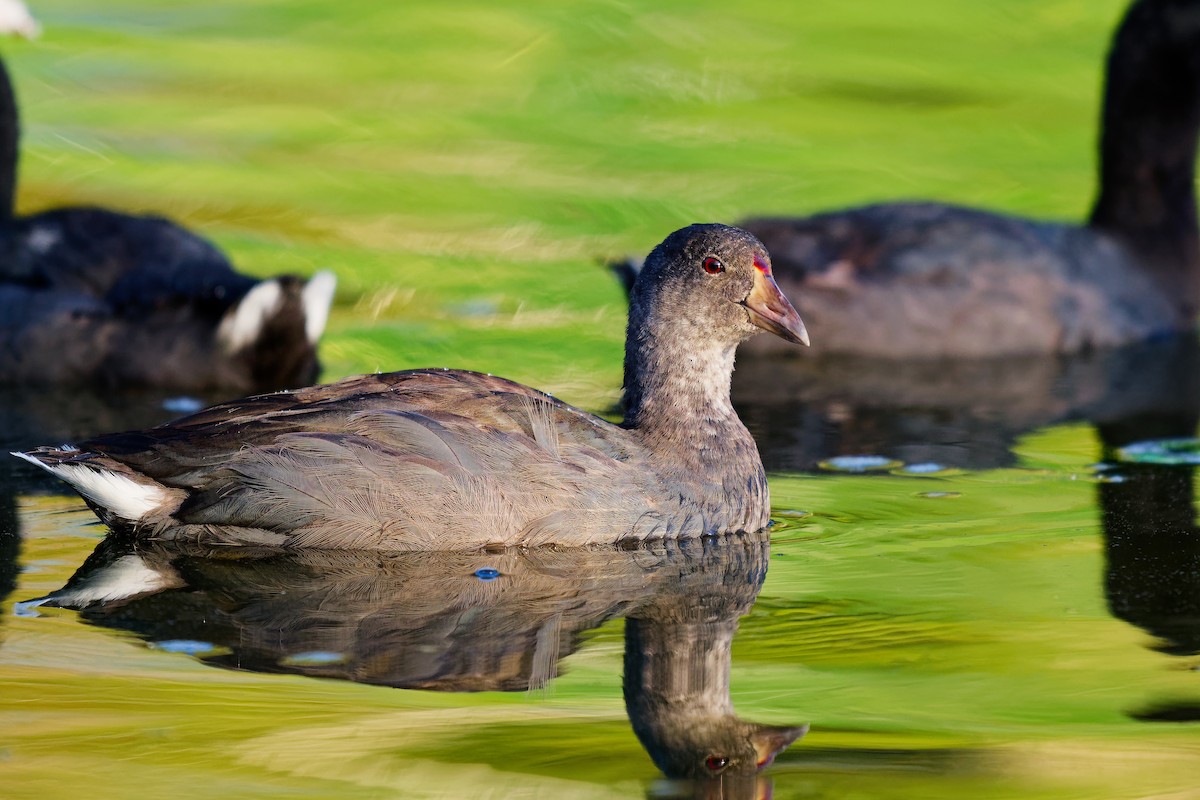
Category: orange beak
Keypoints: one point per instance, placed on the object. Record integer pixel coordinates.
(771, 311)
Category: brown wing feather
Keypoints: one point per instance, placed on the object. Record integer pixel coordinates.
(401, 460)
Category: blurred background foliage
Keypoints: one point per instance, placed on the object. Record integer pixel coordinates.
(463, 166)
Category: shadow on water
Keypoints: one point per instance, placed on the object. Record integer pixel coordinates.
(965, 414)
(462, 622)
(1152, 543)
(1152, 552)
(35, 416)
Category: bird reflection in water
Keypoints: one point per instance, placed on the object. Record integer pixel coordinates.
(466, 622)
(1152, 543)
(964, 414)
(677, 659)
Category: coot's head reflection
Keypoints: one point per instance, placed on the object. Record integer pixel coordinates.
(464, 622)
(677, 660)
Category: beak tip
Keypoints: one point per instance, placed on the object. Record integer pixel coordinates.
(770, 310)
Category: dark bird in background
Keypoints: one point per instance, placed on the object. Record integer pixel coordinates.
(94, 297)
(929, 280)
(926, 280)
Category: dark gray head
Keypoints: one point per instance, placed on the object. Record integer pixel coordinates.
(712, 282)
(706, 748)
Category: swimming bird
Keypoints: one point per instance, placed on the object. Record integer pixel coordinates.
(435, 459)
(91, 296)
(931, 280)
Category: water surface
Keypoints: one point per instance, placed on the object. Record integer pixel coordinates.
(996, 606)
(1015, 617)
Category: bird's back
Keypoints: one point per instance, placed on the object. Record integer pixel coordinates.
(134, 262)
(91, 296)
(425, 459)
(933, 280)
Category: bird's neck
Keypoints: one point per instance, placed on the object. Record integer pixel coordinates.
(1150, 125)
(677, 669)
(10, 137)
(677, 397)
(677, 405)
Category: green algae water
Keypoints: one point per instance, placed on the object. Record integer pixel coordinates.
(982, 582)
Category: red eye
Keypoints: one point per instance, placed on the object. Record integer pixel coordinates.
(713, 265)
(716, 763)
